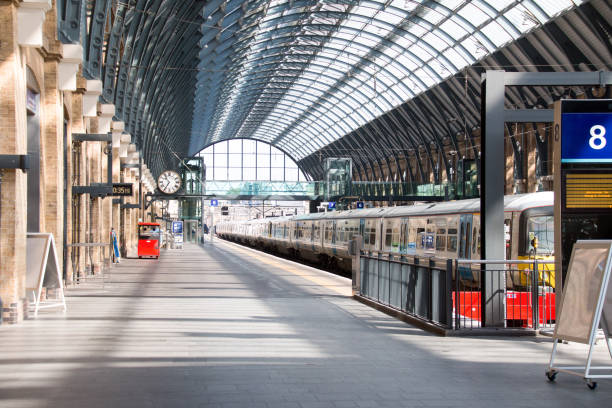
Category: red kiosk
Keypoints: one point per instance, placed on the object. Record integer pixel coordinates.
(149, 234)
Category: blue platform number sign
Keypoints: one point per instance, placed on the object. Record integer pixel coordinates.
(177, 227)
(586, 138)
(359, 204)
(331, 205)
(214, 203)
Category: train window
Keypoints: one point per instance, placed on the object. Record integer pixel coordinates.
(388, 237)
(329, 232)
(316, 232)
(451, 243)
(440, 242)
(475, 240)
(542, 228)
(421, 237)
(370, 233)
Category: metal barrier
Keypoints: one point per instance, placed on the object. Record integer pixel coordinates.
(529, 294)
(447, 293)
(418, 286)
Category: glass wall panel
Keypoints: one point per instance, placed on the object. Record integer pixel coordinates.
(220, 159)
(291, 174)
(249, 160)
(248, 173)
(235, 159)
(263, 173)
(221, 173)
(278, 174)
(248, 146)
(235, 173)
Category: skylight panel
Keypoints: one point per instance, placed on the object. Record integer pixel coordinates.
(420, 52)
(435, 41)
(417, 30)
(554, 7)
(406, 61)
(391, 17)
(351, 22)
(407, 5)
(453, 29)
(455, 58)
(426, 76)
(494, 32)
(473, 14)
(435, 14)
(451, 4)
(366, 40)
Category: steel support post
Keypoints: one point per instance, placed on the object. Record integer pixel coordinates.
(492, 196)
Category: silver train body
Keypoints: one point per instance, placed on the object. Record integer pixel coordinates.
(441, 230)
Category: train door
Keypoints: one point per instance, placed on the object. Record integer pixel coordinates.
(465, 241)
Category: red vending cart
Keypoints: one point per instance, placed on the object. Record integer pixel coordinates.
(148, 239)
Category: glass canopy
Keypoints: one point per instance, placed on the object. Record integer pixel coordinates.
(302, 74)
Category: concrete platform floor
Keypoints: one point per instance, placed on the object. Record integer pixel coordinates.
(224, 326)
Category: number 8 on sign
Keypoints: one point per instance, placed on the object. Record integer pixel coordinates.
(597, 140)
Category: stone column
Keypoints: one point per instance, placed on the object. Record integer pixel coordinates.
(13, 187)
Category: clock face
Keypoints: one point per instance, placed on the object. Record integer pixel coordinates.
(169, 182)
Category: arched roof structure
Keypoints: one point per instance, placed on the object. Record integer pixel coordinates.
(375, 80)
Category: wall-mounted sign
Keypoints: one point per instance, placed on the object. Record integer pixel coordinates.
(586, 138)
(177, 227)
(214, 203)
(360, 204)
(331, 205)
(122, 189)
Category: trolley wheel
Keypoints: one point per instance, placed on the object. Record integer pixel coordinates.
(551, 375)
(591, 384)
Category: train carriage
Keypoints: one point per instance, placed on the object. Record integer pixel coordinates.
(441, 230)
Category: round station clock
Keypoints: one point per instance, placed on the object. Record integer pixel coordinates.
(169, 182)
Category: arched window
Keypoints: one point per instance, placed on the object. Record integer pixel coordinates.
(252, 160)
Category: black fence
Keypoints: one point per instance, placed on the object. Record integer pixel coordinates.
(448, 293)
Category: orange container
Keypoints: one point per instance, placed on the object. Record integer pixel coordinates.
(148, 239)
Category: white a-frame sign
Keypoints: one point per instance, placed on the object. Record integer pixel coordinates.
(586, 306)
(43, 270)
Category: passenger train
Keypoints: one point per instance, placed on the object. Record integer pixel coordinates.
(441, 230)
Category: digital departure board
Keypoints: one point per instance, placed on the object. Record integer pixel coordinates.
(588, 190)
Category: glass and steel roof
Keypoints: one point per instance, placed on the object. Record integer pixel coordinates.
(303, 74)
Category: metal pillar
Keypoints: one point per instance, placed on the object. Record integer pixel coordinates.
(492, 197)
(493, 117)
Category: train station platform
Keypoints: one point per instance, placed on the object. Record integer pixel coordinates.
(225, 326)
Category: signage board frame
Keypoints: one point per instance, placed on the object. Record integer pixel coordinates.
(586, 305)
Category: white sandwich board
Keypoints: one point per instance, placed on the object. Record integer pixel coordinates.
(43, 270)
(586, 305)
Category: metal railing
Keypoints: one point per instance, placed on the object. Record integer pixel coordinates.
(529, 294)
(448, 293)
(420, 287)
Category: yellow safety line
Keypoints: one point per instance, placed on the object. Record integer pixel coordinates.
(320, 281)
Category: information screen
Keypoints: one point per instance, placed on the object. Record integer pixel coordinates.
(122, 189)
(587, 138)
(588, 190)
